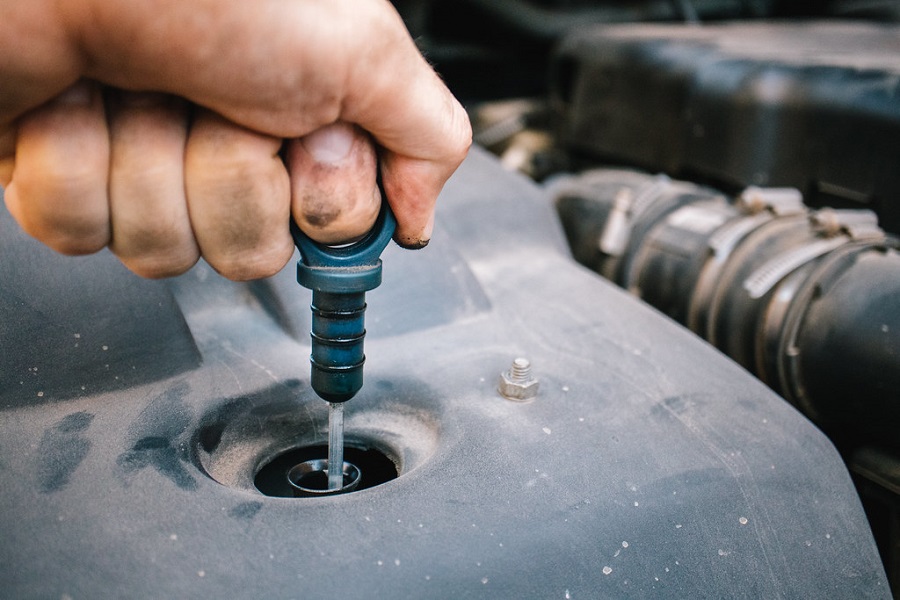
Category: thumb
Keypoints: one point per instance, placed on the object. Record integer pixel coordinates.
(334, 196)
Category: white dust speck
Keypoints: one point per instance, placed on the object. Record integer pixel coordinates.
(568, 595)
(678, 526)
(478, 564)
(636, 503)
(607, 570)
(617, 553)
(581, 419)
(201, 573)
(827, 536)
(676, 562)
(667, 569)
(808, 543)
(546, 430)
(77, 336)
(742, 520)
(368, 519)
(271, 557)
(624, 544)
(40, 394)
(173, 537)
(633, 488)
(397, 562)
(379, 563)
(565, 388)
(105, 347)
(765, 420)
(723, 552)
(421, 525)
(428, 578)
(656, 579)
(484, 580)
(481, 379)
(885, 328)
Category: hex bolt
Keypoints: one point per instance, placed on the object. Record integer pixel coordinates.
(518, 383)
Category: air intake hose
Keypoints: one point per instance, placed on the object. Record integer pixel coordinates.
(807, 300)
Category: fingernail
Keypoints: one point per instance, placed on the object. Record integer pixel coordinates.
(419, 241)
(330, 144)
(79, 94)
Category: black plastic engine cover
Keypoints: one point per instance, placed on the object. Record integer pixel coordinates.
(649, 465)
(810, 105)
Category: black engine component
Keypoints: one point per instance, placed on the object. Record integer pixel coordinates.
(488, 49)
(809, 301)
(805, 105)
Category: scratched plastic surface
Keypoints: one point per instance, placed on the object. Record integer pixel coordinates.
(140, 483)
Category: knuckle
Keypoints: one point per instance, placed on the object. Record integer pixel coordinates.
(72, 244)
(65, 232)
(69, 237)
(160, 266)
(250, 264)
(154, 254)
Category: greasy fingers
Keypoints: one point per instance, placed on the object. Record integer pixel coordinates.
(335, 198)
(288, 67)
(413, 187)
(58, 187)
(151, 229)
(238, 194)
(424, 131)
(273, 70)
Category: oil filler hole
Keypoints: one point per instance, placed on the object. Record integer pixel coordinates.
(272, 478)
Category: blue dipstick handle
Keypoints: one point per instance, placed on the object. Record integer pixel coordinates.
(339, 277)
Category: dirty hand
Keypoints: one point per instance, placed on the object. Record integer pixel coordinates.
(169, 130)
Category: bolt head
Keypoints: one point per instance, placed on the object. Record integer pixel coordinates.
(517, 390)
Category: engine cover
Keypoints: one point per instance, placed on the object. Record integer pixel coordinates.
(136, 416)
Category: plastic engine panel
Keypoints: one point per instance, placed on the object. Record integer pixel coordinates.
(649, 465)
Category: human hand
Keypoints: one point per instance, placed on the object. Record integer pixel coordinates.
(169, 130)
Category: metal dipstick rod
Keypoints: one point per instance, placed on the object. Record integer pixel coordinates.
(339, 278)
(335, 445)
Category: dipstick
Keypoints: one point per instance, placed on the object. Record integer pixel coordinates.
(335, 445)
